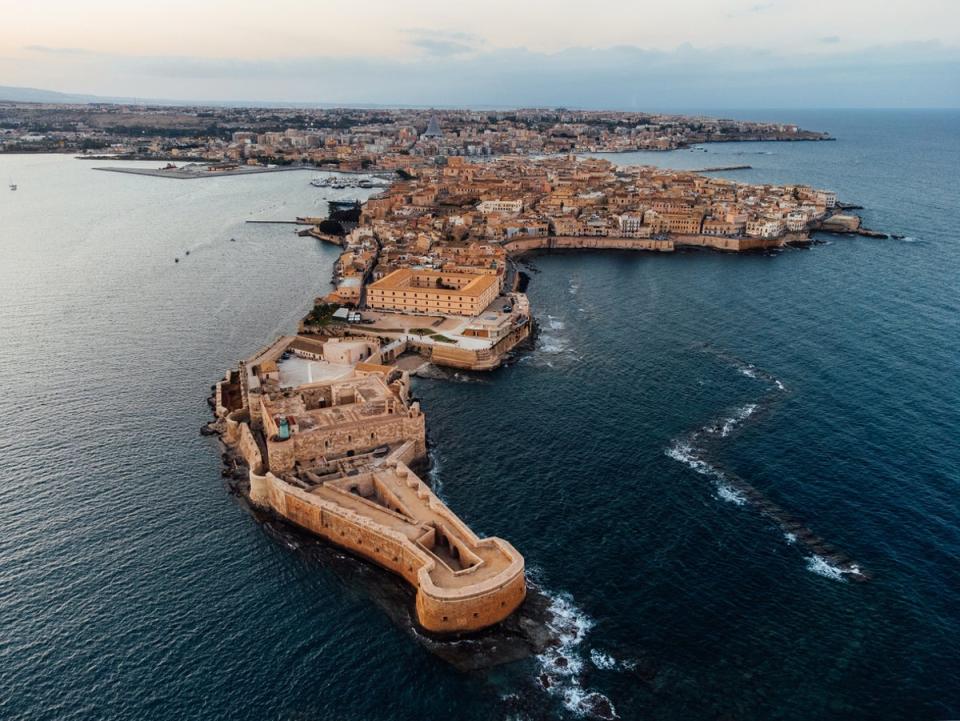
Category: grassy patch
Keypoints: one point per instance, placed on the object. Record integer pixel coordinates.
(442, 338)
(322, 313)
(422, 331)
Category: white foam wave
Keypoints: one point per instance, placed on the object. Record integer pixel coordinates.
(739, 416)
(603, 661)
(731, 495)
(822, 567)
(686, 454)
(779, 385)
(790, 537)
(749, 371)
(555, 323)
(561, 666)
(574, 287)
(552, 344)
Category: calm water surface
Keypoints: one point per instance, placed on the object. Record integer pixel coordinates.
(133, 586)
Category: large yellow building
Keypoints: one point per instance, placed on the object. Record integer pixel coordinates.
(432, 291)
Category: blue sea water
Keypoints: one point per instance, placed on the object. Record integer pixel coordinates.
(132, 585)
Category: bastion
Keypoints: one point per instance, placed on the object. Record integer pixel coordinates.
(332, 455)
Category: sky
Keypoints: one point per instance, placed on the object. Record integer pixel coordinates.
(591, 54)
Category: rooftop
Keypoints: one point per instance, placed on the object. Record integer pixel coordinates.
(408, 278)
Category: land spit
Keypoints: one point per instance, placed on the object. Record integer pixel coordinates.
(324, 421)
(328, 435)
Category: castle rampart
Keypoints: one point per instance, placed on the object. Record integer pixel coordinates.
(389, 516)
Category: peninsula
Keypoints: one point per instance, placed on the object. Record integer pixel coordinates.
(428, 267)
(322, 426)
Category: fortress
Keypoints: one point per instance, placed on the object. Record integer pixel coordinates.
(331, 455)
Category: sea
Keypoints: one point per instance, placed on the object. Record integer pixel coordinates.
(734, 477)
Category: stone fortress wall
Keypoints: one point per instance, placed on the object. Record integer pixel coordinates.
(467, 607)
(340, 471)
(523, 245)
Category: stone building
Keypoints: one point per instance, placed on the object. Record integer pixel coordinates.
(338, 418)
(429, 291)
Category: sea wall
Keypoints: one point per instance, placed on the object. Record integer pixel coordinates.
(459, 610)
(249, 449)
(475, 360)
(523, 245)
(716, 242)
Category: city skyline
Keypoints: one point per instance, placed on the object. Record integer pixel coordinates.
(618, 55)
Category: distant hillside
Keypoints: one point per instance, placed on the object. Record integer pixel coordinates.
(36, 95)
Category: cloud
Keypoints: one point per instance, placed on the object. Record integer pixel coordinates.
(47, 50)
(443, 43)
(442, 48)
(902, 75)
(755, 9)
(829, 40)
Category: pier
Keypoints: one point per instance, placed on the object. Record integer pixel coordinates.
(720, 168)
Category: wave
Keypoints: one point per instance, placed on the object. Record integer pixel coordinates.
(731, 495)
(835, 572)
(561, 667)
(745, 368)
(693, 451)
(553, 345)
(603, 661)
(555, 323)
(685, 453)
(728, 425)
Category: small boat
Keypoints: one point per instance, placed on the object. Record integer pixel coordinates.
(13, 186)
(233, 240)
(188, 252)
(176, 260)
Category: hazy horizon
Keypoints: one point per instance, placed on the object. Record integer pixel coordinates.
(735, 54)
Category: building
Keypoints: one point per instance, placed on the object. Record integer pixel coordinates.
(500, 206)
(764, 228)
(342, 417)
(430, 291)
(796, 221)
(332, 458)
(827, 198)
(433, 128)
